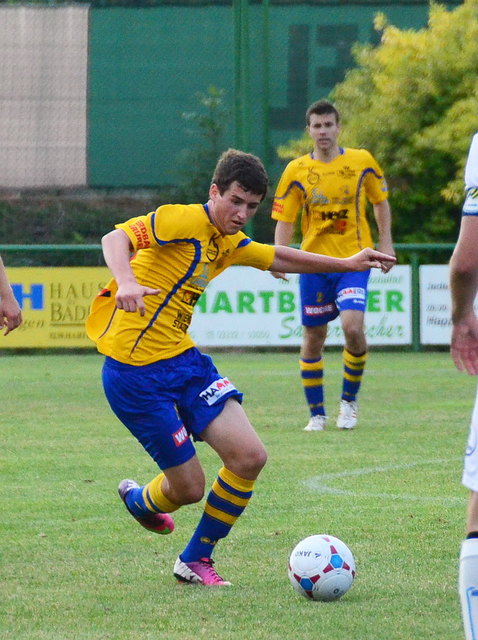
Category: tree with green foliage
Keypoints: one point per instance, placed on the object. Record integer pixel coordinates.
(207, 135)
(412, 101)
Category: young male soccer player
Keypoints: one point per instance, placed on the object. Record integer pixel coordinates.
(157, 382)
(10, 312)
(464, 351)
(330, 187)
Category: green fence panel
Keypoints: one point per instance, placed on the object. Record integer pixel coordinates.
(147, 65)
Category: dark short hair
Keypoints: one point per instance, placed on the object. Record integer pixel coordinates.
(241, 167)
(320, 108)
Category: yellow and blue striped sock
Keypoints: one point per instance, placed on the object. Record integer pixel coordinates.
(353, 372)
(312, 375)
(226, 501)
(150, 499)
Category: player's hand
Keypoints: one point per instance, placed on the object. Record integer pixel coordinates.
(464, 345)
(129, 297)
(10, 314)
(386, 247)
(371, 259)
(280, 275)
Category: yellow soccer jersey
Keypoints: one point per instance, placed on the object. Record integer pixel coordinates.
(332, 198)
(178, 250)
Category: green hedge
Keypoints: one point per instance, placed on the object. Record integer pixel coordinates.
(82, 218)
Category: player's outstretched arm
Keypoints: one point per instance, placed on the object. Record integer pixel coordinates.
(10, 312)
(283, 235)
(383, 217)
(290, 260)
(130, 294)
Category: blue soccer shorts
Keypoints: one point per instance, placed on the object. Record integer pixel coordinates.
(324, 295)
(166, 402)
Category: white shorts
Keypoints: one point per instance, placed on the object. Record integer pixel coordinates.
(470, 470)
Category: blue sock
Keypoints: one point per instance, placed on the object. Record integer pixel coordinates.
(312, 375)
(353, 373)
(226, 501)
(135, 502)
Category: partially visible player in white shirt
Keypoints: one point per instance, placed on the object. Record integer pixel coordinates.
(464, 351)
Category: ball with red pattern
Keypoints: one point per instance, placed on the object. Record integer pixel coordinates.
(321, 567)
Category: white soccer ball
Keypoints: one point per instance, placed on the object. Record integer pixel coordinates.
(321, 567)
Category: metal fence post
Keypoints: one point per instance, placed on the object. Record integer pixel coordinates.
(415, 268)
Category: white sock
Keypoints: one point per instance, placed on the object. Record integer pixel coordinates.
(468, 587)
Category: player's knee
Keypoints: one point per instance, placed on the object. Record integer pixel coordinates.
(313, 340)
(259, 459)
(190, 494)
(187, 490)
(355, 337)
(251, 462)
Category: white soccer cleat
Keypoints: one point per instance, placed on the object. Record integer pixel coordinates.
(347, 418)
(316, 423)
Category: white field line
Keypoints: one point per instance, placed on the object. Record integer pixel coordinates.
(324, 483)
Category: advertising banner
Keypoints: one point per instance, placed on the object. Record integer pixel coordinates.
(435, 305)
(242, 307)
(55, 302)
(246, 307)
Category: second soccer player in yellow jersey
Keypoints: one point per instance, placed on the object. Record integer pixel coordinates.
(330, 188)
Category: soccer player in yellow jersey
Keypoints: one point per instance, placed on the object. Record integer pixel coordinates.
(330, 187)
(158, 383)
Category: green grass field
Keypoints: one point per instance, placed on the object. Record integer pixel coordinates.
(75, 565)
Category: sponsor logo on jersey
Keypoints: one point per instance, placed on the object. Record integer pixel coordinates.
(216, 390)
(189, 297)
(337, 227)
(277, 206)
(212, 250)
(346, 173)
(201, 280)
(182, 320)
(180, 436)
(317, 197)
(141, 233)
(312, 176)
(318, 309)
(340, 227)
(342, 214)
(343, 200)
